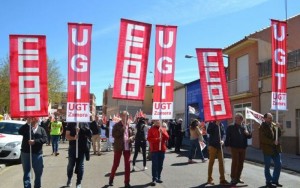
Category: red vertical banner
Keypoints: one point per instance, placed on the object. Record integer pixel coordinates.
(165, 49)
(132, 60)
(216, 103)
(79, 63)
(28, 76)
(279, 57)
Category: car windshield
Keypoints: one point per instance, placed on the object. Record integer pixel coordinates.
(9, 128)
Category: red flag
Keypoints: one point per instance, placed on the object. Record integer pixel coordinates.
(165, 49)
(79, 61)
(132, 60)
(216, 103)
(28, 76)
(279, 57)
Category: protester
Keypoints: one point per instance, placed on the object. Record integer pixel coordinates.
(271, 149)
(56, 129)
(179, 133)
(195, 138)
(106, 128)
(157, 137)
(216, 140)
(236, 138)
(140, 142)
(205, 137)
(123, 138)
(171, 133)
(95, 128)
(83, 134)
(63, 135)
(47, 129)
(35, 140)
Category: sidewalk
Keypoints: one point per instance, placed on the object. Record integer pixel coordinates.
(289, 162)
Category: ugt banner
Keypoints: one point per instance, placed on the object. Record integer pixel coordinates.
(28, 76)
(216, 104)
(132, 60)
(79, 63)
(279, 96)
(165, 49)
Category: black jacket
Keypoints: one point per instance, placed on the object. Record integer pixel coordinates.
(235, 136)
(39, 137)
(214, 134)
(94, 128)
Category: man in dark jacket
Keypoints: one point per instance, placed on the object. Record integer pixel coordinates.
(271, 149)
(179, 133)
(216, 140)
(34, 136)
(236, 138)
(95, 128)
(83, 134)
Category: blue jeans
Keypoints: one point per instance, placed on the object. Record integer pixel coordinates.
(77, 163)
(194, 145)
(277, 167)
(55, 139)
(157, 164)
(37, 165)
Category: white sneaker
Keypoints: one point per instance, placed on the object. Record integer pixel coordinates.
(145, 168)
(133, 169)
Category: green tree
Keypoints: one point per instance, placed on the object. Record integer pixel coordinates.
(56, 83)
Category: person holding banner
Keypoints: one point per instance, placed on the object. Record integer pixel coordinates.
(123, 139)
(270, 145)
(216, 133)
(195, 139)
(157, 137)
(83, 134)
(236, 138)
(34, 137)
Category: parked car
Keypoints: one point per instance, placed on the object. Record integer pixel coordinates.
(10, 140)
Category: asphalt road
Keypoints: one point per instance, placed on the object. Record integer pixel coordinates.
(176, 173)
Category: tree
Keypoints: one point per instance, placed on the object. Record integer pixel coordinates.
(56, 83)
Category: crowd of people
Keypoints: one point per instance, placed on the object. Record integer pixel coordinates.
(207, 140)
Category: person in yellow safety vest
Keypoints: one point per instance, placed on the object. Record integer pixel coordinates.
(56, 130)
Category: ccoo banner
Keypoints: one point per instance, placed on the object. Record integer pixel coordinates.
(279, 96)
(28, 76)
(79, 63)
(132, 60)
(165, 49)
(215, 98)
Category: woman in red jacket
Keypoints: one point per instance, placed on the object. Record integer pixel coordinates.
(157, 137)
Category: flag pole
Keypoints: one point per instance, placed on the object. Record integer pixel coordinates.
(77, 126)
(30, 152)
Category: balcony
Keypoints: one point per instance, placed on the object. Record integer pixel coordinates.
(240, 88)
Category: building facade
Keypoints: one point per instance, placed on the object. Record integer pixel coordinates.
(249, 81)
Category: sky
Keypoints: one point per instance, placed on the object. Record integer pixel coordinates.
(201, 24)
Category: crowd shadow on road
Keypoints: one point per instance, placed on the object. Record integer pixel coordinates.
(117, 174)
(218, 186)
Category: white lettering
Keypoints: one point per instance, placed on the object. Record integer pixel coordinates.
(124, 89)
(161, 39)
(282, 37)
(127, 72)
(82, 64)
(167, 69)
(164, 86)
(279, 56)
(75, 36)
(78, 85)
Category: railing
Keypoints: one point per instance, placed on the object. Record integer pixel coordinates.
(239, 86)
(293, 61)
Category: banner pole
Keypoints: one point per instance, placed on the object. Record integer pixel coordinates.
(276, 128)
(77, 126)
(30, 153)
(221, 147)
